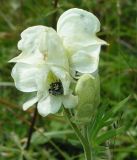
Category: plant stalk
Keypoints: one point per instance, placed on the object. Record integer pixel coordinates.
(31, 129)
(54, 19)
(82, 139)
(86, 135)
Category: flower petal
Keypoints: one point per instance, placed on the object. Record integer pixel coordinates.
(32, 38)
(33, 45)
(29, 103)
(77, 26)
(78, 30)
(56, 51)
(41, 44)
(85, 60)
(24, 77)
(75, 21)
(70, 101)
(28, 58)
(42, 82)
(49, 105)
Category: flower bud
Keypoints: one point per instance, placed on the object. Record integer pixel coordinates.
(88, 91)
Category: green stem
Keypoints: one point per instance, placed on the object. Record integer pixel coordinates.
(82, 139)
(86, 134)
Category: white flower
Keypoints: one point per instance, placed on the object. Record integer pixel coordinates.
(78, 29)
(42, 67)
(48, 57)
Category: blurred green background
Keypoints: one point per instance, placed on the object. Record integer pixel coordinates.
(118, 74)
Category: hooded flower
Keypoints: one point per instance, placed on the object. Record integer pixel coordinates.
(48, 58)
(42, 67)
(78, 29)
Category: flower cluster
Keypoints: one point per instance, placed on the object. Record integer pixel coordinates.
(52, 61)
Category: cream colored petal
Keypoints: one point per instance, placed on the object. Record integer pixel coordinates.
(36, 58)
(78, 27)
(41, 44)
(29, 103)
(77, 24)
(86, 59)
(73, 45)
(33, 38)
(42, 82)
(24, 77)
(84, 63)
(77, 21)
(33, 45)
(70, 101)
(56, 51)
(49, 105)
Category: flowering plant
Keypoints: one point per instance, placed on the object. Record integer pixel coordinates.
(61, 68)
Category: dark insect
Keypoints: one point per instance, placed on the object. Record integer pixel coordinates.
(77, 74)
(56, 88)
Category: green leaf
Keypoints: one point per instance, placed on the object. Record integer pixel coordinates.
(97, 123)
(28, 155)
(108, 135)
(16, 140)
(8, 149)
(42, 137)
(104, 118)
(116, 108)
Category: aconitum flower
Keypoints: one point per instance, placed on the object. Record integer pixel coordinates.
(42, 67)
(50, 60)
(78, 29)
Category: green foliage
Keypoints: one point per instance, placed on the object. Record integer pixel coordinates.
(102, 125)
(40, 137)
